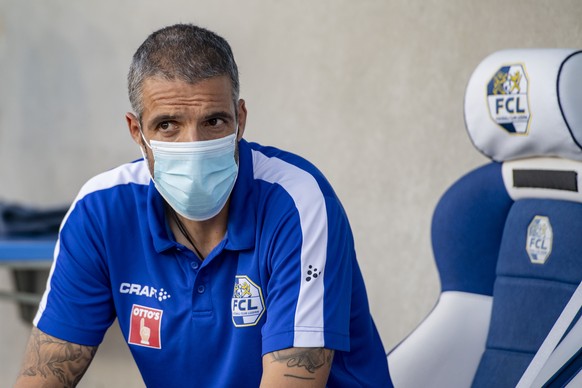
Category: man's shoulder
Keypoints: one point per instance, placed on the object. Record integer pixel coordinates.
(129, 173)
(288, 168)
(284, 155)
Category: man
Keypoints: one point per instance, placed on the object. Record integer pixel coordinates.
(226, 263)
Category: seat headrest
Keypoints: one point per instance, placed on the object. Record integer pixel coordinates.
(526, 103)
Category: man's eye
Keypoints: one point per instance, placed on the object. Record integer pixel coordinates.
(166, 126)
(215, 122)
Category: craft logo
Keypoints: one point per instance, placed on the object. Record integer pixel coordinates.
(148, 291)
(539, 239)
(507, 97)
(145, 327)
(247, 302)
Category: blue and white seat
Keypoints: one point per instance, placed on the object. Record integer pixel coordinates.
(507, 236)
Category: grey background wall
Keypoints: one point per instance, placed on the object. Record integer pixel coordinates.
(371, 91)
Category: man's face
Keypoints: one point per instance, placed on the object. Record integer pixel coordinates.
(177, 111)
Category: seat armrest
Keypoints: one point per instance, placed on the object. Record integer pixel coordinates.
(445, 349)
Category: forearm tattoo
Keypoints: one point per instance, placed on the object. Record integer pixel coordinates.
(308, 359)
(48, 357)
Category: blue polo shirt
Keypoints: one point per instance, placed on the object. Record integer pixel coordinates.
(285, 275)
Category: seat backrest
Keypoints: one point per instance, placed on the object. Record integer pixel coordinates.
(506, 235)
(531, 122)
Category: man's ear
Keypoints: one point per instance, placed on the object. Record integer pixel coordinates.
(242, 118)
(134, 128)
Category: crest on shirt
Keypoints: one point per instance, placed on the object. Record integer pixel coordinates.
(507, 97)
(247, 302)
(145, 327)
(539, 239)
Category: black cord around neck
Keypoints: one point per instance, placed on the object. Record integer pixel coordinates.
(185, 233)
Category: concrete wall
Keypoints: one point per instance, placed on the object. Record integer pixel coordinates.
(371, 91)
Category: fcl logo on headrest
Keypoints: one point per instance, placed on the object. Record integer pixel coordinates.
(508, 100)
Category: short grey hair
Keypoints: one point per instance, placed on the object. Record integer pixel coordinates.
(181, 52)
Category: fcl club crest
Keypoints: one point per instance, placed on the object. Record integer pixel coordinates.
(247, 302)
(507, 97)
(539, 239)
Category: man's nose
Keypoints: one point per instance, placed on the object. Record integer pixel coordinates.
(190, 134)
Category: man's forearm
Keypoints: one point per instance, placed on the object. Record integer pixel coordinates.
(297, 367)
(51, 362)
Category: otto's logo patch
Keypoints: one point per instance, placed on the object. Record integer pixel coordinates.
(247, 302)
(539, 239)
(507, 97)
(145, 327)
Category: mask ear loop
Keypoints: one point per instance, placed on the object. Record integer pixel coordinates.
(143, 153)
(142, 150)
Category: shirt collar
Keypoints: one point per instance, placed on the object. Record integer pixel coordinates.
(156, 218)
(242, 212)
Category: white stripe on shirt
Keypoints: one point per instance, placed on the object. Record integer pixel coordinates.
(310, 203)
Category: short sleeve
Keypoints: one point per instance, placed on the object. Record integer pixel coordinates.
(77, 304)
(309, 289)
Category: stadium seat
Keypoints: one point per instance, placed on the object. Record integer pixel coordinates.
(507, 236)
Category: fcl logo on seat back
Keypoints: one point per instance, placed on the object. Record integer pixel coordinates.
(539, 239)
(507, 97)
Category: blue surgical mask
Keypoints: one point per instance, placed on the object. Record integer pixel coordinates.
(195, 178)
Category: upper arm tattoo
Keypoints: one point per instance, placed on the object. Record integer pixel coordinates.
(309, 360)
(50, 358)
